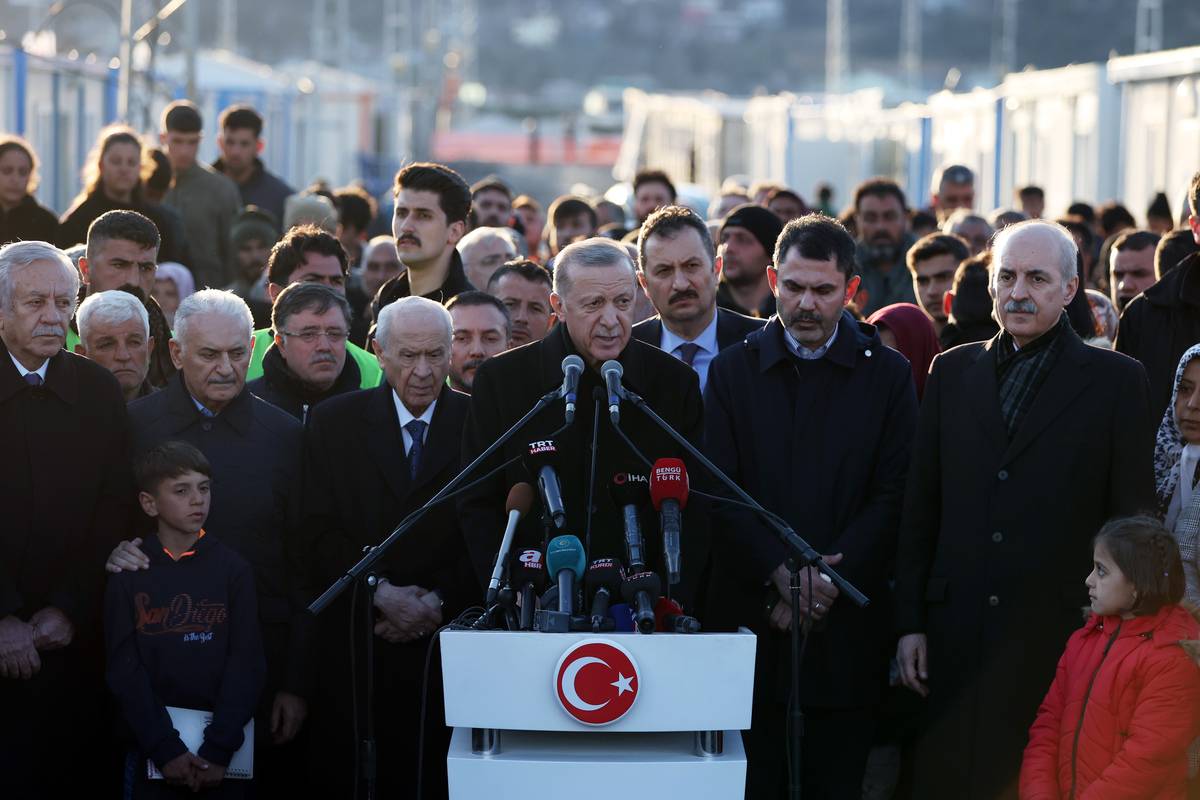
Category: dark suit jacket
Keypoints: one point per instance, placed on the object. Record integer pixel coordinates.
(254, 450)
(732, 328)
(996, 543)
(508, 385)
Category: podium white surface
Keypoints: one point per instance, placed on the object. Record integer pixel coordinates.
(568, 705)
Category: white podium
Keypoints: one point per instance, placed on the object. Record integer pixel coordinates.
(666, 710)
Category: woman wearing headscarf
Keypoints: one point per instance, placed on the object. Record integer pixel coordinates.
(906, 328)
(173, 283)
(1177, 468)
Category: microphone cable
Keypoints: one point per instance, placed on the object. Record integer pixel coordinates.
(597, 395)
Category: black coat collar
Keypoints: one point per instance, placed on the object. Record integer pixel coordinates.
(60, 377)
(557, 345)
(852, 336)
(386, 445)
(280, 376)
(183, 412)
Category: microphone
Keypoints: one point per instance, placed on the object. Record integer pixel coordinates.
(629, 491)
(572, 367)
(539, 460)
(669, 494)
(520, 498)
(669, 618)
(641, 591)
(566, 561)
(528, 571)
(603, 580)
(612, 372)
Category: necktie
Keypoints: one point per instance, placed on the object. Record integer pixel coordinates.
(416, 429)
(687, 352)
(33, 379)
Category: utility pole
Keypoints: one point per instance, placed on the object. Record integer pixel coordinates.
(835, 45)
(320, 39)
(910, 43)
(125, 75)
(191, 27)
(227, 25)
(1148, 32)
(1004, 41)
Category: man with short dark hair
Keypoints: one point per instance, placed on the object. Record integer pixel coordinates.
(786, 204)
(973, 229)
(491, 200)
(481, 330)
(652, 189)
(241, 144)
(356, 208)
(571, 218)
(432, 202)
(678, 271)
(307, 362)
(1131, 266)
(812, 395)
(953, 188)
(524, 288)
(1005, 494)
(122, 253)
(308, 254)
(881, 216)
(932, 262)
(1173, 249)
(1160, 325)
(252, 236)
(206, 200)
(1032, 200)
(746, 241)
(529, 212)
(968, 305)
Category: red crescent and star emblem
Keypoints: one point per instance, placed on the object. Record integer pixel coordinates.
(596, 682)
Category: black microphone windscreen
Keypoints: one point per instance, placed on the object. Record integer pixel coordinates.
(629, 489)
(647, 582)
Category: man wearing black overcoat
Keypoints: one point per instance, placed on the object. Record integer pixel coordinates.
(1026, 445)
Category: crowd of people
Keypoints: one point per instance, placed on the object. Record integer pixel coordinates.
(219, 391)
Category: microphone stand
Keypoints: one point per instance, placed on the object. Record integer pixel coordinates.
(362, 572)
(801, 555)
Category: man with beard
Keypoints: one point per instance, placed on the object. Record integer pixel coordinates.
(747, 240)
(953, 188)
(1132, 266)
(524, 289)
(307, 362)
(881, 214)
(491, 201)
(481, 329)
(571, 218)
(252, 236)
(677, 270)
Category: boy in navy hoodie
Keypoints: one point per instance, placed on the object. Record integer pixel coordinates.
(183, 633)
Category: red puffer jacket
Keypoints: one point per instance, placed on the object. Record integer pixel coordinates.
(1123, 708)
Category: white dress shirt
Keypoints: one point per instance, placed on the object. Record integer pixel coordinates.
(41, 371)
(406, 417)
(706, 341)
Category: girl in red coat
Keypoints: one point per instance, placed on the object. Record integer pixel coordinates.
(1125, 702)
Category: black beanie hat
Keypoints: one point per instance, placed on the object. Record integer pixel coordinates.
(762, 224)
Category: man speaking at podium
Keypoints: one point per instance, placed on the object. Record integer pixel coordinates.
(594, 291)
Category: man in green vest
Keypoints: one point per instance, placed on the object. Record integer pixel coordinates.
(307, 254)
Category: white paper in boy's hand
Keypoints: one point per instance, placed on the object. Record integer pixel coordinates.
(190, 725)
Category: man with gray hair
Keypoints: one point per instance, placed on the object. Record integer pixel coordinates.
(485, 250)
(372, 457)
(972, 228)
(595, 287)
(307, 363)
(114, 331)
(1026, 445)
(65, 486)
(254, 449)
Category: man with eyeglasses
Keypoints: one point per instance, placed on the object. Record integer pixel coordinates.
(307, 254)
(881, 214)
(307, 363)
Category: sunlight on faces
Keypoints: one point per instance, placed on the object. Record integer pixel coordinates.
(420, 227)
(1132, 273)
(934, 277)
(415, 355)
(34, 323)
(123, 349)
(316, 268)
(811, 295)
(15, 169)
(880, 219)
(954, 196)
(167, 295)
(318, 362)
(598, 310)
(492, 208)
(649, 197)
(785, 207)
(573, 228)
(180, 504)
(1187, 403)
(480, 332)
(120, 262)
(213, 358)
(483, 257)
(1111, 593)
(239, 147)
(1027, 281)
(381, 266)
(120, 169)
(181, 149)
(679, 276)
(528, 304)
(743, 258)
